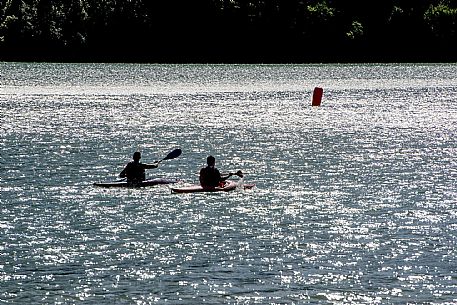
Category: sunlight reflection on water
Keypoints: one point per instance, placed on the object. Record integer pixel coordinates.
(354, 201)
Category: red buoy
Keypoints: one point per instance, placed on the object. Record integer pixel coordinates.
(317, 96)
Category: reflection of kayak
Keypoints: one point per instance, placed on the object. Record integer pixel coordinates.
(229, 186)
(150, 182)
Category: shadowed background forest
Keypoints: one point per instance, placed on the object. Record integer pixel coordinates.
(244, 31)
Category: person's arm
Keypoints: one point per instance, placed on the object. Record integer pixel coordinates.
(201, 177)
(123, 174)
(238, 173)
(223, 178)
(149, 166)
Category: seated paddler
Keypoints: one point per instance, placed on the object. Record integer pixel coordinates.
(211, 177)
(134, 171)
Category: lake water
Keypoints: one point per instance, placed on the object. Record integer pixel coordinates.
(355, 201)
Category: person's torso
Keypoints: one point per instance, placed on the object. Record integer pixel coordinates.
(210, 176)
(135, 171)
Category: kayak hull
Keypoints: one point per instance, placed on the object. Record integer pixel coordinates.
(229, 186)
(145, 183)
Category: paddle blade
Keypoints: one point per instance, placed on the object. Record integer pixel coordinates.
(174, 154)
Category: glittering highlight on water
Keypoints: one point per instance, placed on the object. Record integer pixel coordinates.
(355, 201)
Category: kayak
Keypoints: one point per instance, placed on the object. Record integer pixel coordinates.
(149, 182)
(229, 186)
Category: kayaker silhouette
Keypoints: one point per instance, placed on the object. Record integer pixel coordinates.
(211, 177)
(134, 171)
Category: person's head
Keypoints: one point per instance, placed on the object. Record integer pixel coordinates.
(137, 156)
(211, 161)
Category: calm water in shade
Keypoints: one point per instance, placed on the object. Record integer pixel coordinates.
(355, 201)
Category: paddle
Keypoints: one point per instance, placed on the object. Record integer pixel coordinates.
(241, 181)
(172, 155)
(239, 174)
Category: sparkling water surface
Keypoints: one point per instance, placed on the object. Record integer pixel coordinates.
(355, 201)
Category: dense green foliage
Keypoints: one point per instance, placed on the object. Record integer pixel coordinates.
(229, 30)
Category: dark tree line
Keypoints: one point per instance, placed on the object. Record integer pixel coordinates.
(229, 30)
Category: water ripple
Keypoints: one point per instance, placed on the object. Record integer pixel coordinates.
(354, 201)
